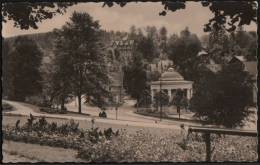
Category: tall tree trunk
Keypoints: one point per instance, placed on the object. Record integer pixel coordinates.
(63, 103)
(79, 91)
(79, 102)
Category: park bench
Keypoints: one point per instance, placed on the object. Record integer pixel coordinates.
(209, 130)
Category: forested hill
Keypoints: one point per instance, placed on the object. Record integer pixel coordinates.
(45, 42)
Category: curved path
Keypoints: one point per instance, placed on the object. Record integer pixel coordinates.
(126, 116)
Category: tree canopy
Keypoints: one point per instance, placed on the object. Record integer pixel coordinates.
(222, 98)
(227, 14)
(183, 52)
(81, 59)
(23, 64)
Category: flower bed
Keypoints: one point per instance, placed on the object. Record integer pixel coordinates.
(108, 146)
(67, 135)
(144, 147)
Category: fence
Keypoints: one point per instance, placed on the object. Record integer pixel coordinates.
(208, 130)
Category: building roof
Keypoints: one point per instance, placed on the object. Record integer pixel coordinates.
(241, 58)
(171, 75)
(202, 52)
(181, 82)
(214, 67)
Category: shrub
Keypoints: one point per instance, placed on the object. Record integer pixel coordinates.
(161, 98)
(103, 114)
(52, 110)
(35, 100)
(6, 107)
(95, 135)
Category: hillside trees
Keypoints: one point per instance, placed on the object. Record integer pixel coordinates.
(221, 45)
(183, 52)
(23, 64)
(81, 60)
(246, 44)
(5, 51)
(135, 77)
(147, 45)
(163, 39)
(27, 15)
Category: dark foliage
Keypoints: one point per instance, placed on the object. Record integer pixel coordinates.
(161, 98)
(240, 12)
(102, 114)
(135, 77)
(23, 64)
(53, 110)
(183, 52)
(81, 51)
(7, 107)
(27, 15)
(227, 96)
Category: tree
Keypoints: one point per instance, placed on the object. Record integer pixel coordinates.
(178, 100)
(241, 13)
(163, 39)
(219, 46)
(227, 96)
(26, 15)
(151, 32)
(145, 98)
(5, 82)
(59, 79)
(85, 52)
(135, 77)
(245, 43)
(147, 48)
(161, 98)
(24, 62)
(183, 52)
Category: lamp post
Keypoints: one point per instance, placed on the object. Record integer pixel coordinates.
(161, 93)
(116, 107)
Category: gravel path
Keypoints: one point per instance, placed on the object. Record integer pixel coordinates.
(130, 118)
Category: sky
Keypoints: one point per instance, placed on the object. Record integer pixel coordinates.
(140, 14)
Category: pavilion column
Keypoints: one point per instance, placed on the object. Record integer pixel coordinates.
(152, 95)
(188, 94)
(169, 94)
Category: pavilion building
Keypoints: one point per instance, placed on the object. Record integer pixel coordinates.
(170, 82)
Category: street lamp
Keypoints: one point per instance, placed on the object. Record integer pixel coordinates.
(117, 105)
(123, 46)
(161, 90)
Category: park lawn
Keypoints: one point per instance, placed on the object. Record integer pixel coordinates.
(25, 152)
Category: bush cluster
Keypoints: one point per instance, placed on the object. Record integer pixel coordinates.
(66, 135)
(52, 110)
(6, 107)
(102, 114)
